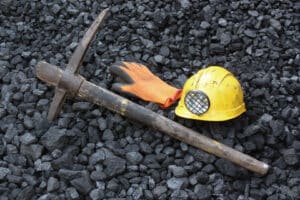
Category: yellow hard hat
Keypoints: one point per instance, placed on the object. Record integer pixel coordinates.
(212, 94)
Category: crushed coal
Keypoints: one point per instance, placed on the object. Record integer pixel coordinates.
(89, 152)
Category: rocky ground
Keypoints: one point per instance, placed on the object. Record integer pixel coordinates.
(90, 152)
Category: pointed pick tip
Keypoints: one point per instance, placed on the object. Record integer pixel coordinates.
(50, 118)
(52, 113)
(104, 12)
(56, 104)
(106, 9)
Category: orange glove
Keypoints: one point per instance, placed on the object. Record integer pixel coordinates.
(142, 83)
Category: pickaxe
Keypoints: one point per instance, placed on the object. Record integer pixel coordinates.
(68, 82)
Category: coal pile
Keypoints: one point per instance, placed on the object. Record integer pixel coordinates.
(92, 153)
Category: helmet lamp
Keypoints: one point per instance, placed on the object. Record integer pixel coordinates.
(197, 102)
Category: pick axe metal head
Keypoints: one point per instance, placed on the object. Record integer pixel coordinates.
(73, 65)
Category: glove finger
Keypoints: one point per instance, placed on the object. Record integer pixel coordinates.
(117, 70)
(118, 87)
(134, 69)
(143, 70)
(139, 69)
(131, 65)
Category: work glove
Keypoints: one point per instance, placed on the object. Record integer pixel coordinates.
(141, 82)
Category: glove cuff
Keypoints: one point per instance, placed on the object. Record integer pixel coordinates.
(171, 100)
